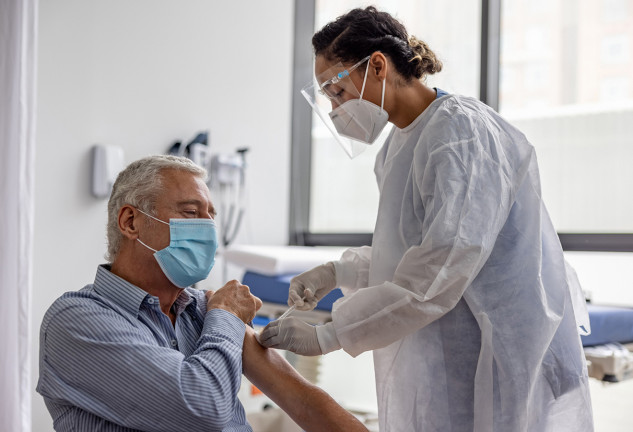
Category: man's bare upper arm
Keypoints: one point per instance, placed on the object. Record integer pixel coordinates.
(308, 405)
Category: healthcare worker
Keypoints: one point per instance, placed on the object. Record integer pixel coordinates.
(464, 296)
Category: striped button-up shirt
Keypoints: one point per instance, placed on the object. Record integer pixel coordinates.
(111, 361)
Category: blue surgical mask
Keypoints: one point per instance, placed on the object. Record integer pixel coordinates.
(190, 255)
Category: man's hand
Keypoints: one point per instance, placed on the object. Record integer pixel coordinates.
(235, 298)
(309, 287)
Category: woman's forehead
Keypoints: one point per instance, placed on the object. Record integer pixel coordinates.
(324, 69)
(321, 65)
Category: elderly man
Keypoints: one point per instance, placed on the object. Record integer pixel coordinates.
(139, 349)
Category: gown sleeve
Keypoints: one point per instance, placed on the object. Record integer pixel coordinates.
(352, 270)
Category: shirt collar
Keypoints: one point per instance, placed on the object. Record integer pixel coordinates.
(184, 299)
(118, 290)
(129, 296)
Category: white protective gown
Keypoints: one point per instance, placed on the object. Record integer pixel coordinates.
(464, 296)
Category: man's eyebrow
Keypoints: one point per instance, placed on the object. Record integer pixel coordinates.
(187, 202)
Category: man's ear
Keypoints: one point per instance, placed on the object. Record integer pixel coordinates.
(128, 222)
(378, 65)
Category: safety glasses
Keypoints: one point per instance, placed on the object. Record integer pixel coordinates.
(333, 88)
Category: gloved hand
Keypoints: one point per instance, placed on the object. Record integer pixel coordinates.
(291, 334)
(309, 287)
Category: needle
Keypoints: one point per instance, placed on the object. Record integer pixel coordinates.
(285, 314)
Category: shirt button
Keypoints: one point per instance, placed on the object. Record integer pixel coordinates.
(150, 300)
(174, 342)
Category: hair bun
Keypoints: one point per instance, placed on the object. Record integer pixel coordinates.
(428, 63)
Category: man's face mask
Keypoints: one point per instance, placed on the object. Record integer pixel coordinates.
(190, 255)
(354, 120)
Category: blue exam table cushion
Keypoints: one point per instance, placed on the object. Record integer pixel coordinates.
(261, 321)
(609, 324)
(274, 289)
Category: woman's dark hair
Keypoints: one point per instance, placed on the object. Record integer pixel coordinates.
(360, 32)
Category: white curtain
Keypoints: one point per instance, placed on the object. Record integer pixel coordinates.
(18, 36)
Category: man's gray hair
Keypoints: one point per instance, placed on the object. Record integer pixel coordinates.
(138, 185)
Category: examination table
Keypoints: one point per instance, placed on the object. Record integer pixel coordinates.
(608, 347)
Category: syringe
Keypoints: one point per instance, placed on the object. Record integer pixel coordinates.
(285, 314)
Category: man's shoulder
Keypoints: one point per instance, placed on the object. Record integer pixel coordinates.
(76, 306)
(86, 296)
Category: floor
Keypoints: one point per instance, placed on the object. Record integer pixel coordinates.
(612, 406)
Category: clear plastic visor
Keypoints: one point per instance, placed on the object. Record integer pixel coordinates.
(331, 89)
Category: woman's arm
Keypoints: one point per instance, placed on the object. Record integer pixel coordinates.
(352, 270)
(309, 406)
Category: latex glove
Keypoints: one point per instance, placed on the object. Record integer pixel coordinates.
(294, 335)
(291, 334)
(308, 288)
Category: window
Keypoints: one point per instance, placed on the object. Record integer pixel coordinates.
(574, 106)
(615, 49)
(615, 10)
(615, 89)
(343, 196)
(563, 74)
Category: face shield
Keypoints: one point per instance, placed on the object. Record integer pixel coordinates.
(353, 121)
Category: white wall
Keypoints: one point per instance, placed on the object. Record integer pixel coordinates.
(606, 277)
(141, 74)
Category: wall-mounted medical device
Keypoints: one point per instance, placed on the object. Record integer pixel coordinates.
(107, 162)
(226, 180)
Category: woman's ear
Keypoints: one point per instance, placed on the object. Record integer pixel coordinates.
(128, 222)
(378, 65)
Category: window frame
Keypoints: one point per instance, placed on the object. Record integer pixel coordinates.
(301, 133)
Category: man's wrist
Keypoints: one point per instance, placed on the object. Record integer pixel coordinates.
(328, 341)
